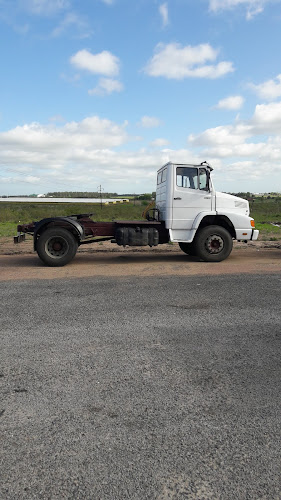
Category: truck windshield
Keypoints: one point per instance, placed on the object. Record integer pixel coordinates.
(187, 177)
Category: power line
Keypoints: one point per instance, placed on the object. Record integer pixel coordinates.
(100, 189)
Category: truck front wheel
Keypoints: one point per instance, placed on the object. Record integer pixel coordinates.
(56, 246)
(213, 243)
(187, 248)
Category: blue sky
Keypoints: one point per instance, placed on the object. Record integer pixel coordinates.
(107, 91)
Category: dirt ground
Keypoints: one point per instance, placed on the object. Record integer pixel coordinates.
(19, 261)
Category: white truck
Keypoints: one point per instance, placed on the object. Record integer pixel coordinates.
(188, 210)
(203, 221)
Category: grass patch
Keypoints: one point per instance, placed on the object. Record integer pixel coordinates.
(12, 214)
(7, 229)
(264, 212)
(268, 232)
(27, 212)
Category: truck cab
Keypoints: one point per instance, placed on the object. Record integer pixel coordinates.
(188, 203)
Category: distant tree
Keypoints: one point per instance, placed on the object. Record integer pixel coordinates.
(145, 196)
(245, 196)
(80, 194)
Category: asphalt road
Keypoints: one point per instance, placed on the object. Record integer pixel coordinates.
(141, 388)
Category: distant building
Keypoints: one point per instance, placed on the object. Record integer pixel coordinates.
(41, 196)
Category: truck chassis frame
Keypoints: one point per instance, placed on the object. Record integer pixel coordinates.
(56, 239)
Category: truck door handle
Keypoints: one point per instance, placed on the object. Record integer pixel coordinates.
(207, 197)
(177, 198)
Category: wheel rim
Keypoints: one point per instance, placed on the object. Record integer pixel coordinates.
(56, 247)
(214, 244)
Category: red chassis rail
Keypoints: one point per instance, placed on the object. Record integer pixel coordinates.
(88, 230)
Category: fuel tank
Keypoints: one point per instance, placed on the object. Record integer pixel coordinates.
(137, 236)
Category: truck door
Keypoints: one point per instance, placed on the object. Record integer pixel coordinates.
(191, 195)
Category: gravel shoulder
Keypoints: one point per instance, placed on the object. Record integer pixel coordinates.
(105, 259)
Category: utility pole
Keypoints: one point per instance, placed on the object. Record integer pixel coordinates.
(100, 190)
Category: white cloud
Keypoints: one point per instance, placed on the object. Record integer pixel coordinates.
(177, 62)
(269, 90)
(267, 118)
(231, 103)
(57, 118)
(44, 7)
(163, 10)
(75, 22)
(92, 132)
(32, 179)
(223, 135)
(106, 86)
(79, 155)
(103, 63)
(253, 11)
(159, 143)
(241, 140)
(150, 122)
(253, 7)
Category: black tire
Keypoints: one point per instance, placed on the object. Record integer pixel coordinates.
(213, 243)
(56, 246)
(187, 248)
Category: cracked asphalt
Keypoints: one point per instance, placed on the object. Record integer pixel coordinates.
(138, 387)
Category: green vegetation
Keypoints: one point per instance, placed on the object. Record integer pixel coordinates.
(264, 210)
(12, 213)
(97, 194)
(81, 194)
(269, 232)
(7, 229)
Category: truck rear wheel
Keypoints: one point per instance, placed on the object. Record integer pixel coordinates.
(213, 243)
(187, 248)
(56, 246)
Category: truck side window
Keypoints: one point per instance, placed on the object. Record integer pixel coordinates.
(159, 177)
(187, 177)
(203, 180)
(164, 175)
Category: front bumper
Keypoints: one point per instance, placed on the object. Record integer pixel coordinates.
(247, 234)
(255, 234)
